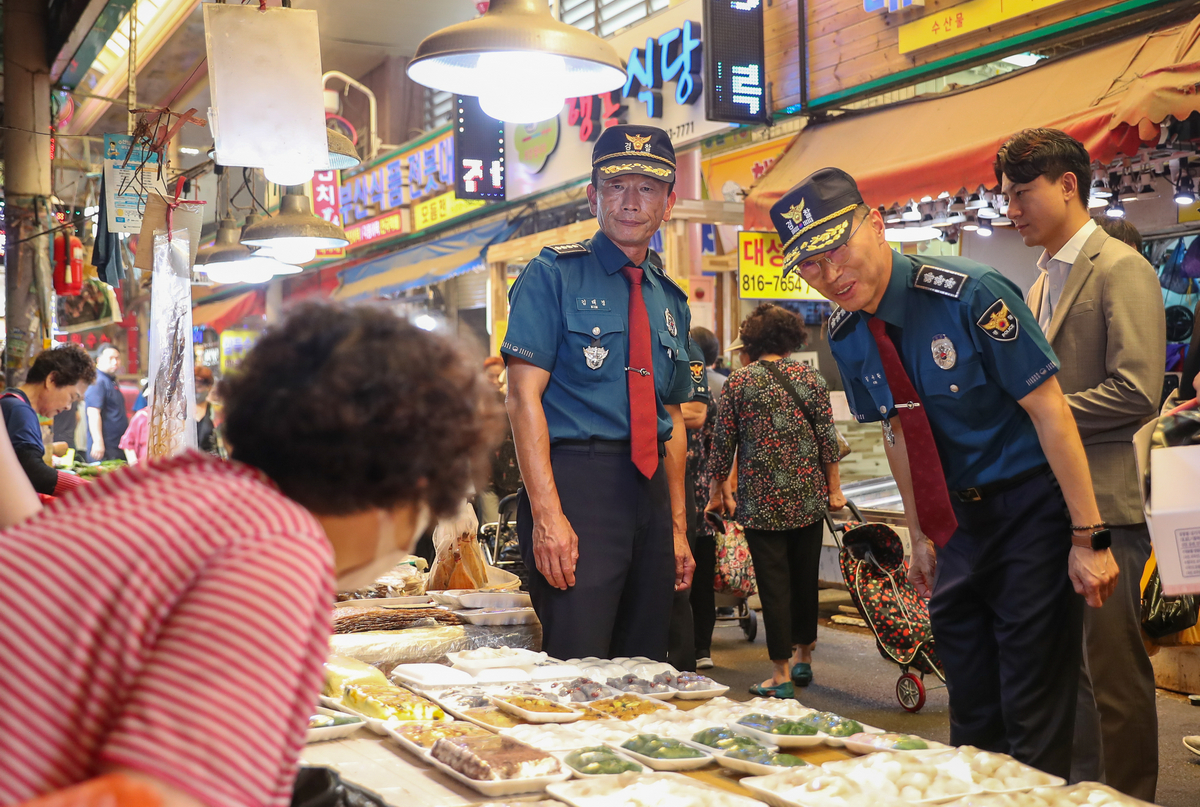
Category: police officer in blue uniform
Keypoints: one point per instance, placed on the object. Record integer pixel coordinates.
(945, 350)
(596, 376)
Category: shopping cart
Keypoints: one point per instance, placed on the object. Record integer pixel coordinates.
(872, 563)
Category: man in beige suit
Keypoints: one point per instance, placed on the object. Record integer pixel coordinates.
(1100, 305)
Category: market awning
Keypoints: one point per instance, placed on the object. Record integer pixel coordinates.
(431, 262)
(1112, 99)
(226, 313)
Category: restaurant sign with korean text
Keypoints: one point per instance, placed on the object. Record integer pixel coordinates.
(664, 88)
(760, 270)
(965, 18)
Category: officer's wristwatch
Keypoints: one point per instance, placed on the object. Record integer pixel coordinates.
(1099, 539)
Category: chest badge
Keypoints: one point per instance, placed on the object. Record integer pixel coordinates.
(595, 355)
(944, 354)
(671, 327)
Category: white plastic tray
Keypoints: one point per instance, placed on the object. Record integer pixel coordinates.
(496, 788)
(967, 752)
(701, 694)
(784, 741)
(430, 675)
(850, 769)
(550, 737)
(754, 768)
(562, 757)
(392, 730)
(631, 789)
(505, 616)
(513, 657)
(666, 764)
(422, 601)
(495, 599)
(857, 747)
(450, 596)
(537, 717)
(325, 733)
(770, 789)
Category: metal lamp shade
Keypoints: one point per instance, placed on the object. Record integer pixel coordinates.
(295, 221)
(227, 246)
(449, 59)
(342, 153)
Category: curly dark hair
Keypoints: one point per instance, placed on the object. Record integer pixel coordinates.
(771, 329)
(69, 363)
(1032, 153)
(349, 408)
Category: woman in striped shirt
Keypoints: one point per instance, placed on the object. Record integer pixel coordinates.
(168, 623)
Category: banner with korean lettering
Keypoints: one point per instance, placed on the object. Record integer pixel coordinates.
(665, 88)
(326, 189)
(760, 271)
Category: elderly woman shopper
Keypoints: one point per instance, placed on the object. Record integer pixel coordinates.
(775, 414)
(136, 612)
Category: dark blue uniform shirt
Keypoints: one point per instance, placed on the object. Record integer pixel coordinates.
(569, 312)
(972, 349)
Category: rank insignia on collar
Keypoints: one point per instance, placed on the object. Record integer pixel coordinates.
(568, 249)
(837, 319)
(595, 356)
(671, 327)
(946, 282)
(999, 323)
(944, 354)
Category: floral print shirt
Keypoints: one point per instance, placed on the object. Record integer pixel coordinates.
(781, 462)
(699, 445)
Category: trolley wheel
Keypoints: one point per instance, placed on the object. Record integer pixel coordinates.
(749, 624)
(910, 691)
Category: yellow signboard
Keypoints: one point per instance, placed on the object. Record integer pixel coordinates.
(234, 346)
(975, 15)
(760, 271)
(441, 208)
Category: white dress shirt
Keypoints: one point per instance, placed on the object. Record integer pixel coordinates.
(1058, 268)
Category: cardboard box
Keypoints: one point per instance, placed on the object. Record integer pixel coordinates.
(1171, 500)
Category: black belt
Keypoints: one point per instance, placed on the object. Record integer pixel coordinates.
(604, 446)
(992, 488)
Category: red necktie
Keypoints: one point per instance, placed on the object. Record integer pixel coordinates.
(934, 513)
(643, 413)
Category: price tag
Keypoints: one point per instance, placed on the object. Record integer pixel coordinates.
(760, 271)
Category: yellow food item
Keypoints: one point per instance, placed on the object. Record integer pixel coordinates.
(390, 703)
(535, 705)
(343, 671)
(625, 707)
(425, 735)
(494, 717)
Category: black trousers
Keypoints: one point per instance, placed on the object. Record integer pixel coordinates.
(681, 642)
(703, 596)
(1008, 625)
(620, 604)
(786, 566)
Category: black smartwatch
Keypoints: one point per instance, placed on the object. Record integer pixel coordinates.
(1100, 539)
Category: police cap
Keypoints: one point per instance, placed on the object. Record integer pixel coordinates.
(815, 215)
(627, 149)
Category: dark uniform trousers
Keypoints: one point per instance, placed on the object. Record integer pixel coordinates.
(621, 602)
(681, 642)
(1008, 625)
(1120, 750)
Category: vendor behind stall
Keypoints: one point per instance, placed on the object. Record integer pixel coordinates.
(168, 624)
(57, 381)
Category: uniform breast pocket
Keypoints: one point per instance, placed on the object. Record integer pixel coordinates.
(594, 347)
(664, 361)
(966, 376)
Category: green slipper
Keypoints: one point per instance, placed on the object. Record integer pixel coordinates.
(802, 674)
(783, 691)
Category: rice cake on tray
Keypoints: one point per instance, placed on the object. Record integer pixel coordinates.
(645, 790)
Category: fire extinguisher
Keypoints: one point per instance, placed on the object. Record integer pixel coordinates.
(68, 264)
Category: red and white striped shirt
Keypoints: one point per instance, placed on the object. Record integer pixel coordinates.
(171, 618)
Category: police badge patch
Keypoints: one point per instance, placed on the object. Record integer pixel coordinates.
(595, 356)
(697, 368)
(999, 323)
(944, 354)
(671, 328)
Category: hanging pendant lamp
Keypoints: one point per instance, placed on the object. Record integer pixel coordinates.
(294, 227)
(227, 246)
(342, 153)
(520, 61)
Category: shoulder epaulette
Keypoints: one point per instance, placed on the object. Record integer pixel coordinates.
(569, 249)
(938, 280)
(837, 319)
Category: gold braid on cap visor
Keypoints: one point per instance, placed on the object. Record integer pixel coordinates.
(819, 222)
(625, 155)
(650, 169)
(818, 243)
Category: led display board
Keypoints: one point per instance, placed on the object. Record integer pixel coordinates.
(479, 150)
(735, 72)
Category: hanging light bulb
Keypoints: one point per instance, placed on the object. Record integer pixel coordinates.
(1116, 210)
(984, 228)
(226, 246)
(1185, 194)
(1100, 188)
(342, 153)
(287, 175)
(970, 226)
(519, 60)
(290, 252)
(294, 226)
(247, 270)
(913, 213)
(1146, 189)
(1127, 192)
(911, 235)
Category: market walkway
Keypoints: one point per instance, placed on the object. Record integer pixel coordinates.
(851, 678)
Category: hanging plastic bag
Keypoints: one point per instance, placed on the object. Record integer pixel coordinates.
(172, 359)
(734, 573)
(1162, 616)
(459, 561)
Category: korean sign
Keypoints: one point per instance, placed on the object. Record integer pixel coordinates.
(760, 271)
(441, 208)
(735, 66)
(938, 26)
(405, 177)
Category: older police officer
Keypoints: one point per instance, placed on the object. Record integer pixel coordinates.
(597, 351)
(985, 452)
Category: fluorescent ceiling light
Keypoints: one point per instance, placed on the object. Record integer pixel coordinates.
(909, 235)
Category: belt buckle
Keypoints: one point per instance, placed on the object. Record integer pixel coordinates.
(970, 495)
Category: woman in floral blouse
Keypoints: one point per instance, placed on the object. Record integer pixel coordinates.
(787, 475)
